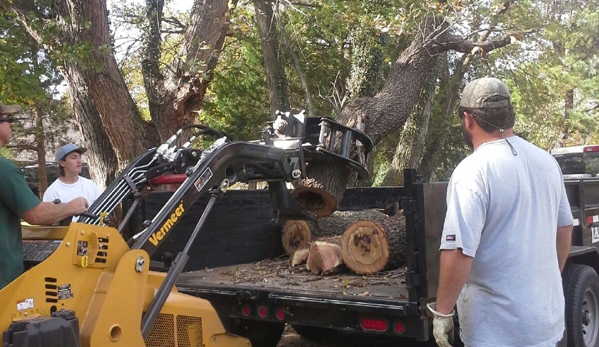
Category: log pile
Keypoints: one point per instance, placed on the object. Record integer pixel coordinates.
(366, 242)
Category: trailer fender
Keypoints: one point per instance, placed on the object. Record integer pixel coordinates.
(584, 255)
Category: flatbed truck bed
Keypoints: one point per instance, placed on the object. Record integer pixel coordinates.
(277, 278)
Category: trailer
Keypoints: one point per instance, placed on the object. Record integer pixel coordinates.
(239, 265)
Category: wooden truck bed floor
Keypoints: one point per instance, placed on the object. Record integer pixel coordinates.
(277, 276)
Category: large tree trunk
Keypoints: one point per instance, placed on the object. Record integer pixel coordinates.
(181, 88)
(101, 101)
(411, 142)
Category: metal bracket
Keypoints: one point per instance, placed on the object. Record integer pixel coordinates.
(139, 264)
(412, 279)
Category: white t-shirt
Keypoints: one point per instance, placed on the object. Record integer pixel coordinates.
(504, 211)
(66, 192)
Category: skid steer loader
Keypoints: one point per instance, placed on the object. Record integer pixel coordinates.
(85, 285)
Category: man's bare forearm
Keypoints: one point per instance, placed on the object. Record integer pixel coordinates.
(47, 213)
(564, 241)
(453, 274)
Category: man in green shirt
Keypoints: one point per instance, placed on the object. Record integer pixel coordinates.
(18, 201)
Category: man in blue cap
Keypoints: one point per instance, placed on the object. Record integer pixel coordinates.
(69, 185)
(18, 201)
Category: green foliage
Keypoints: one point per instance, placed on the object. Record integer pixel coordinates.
(30, 79)
(238, 99)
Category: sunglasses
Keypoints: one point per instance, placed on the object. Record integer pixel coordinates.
(8, 118)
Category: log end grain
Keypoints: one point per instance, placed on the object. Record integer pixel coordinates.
(324, 258)
(299, 257)
(295, 235)
(311, 196)
(365, 249)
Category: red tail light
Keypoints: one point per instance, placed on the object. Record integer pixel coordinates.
(246, 310)
(262, 312)
(399, 327)
(591, 149)
(280, 313)
(374, 324)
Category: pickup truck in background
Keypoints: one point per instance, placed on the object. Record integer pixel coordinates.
(239, 265)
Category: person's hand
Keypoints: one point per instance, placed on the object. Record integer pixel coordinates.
(78, 206)
(442, 326)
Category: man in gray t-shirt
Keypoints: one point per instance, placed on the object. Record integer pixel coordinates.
(506, 235)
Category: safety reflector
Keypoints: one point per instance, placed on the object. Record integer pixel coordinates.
(262, 312)
(592, 219)
(374, 324)
(399, 327)
(246, 310)
(280, 313)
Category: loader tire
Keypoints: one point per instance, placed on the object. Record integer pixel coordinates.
(581, 292)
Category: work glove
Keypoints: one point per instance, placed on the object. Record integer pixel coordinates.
(442, 326)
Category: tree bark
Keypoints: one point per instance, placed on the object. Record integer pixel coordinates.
(366, 64)
(370, 246)
(449, 99)
(408, 153)
(40, 141)
(297, 65)
(568, 107)
(276, 79)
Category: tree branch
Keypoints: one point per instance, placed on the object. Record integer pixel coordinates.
(175, 22)
(462, 45)
(23, 147)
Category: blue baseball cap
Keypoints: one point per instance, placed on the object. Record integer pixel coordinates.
(67, 149)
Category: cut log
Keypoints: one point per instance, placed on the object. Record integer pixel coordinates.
(369, 246)
(295, 235)
(325, 256)
(314, 197)
(337, 223)
(300, 256)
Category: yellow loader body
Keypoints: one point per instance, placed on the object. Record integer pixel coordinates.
(108, 286)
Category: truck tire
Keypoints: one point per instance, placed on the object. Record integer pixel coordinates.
(260, 333)
(313, 333)
(581, 291)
